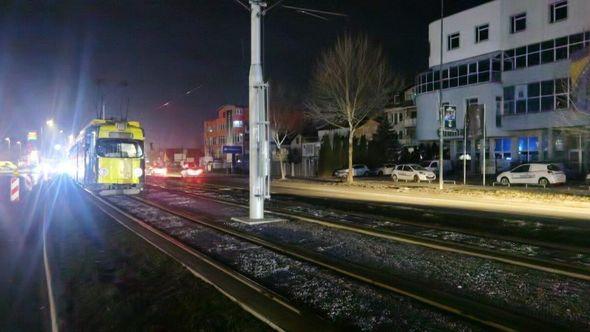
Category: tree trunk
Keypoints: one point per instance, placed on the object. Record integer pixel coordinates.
(350, 175)
(282, 163)
(283, 170)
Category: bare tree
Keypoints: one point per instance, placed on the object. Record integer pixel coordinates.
(351, 82)
(578, 85)
(286, 119)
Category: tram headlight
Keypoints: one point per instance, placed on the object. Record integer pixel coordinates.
(137, 172)
(103, 171)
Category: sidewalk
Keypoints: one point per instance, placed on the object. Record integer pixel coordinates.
(490, 199)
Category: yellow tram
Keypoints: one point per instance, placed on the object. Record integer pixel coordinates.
(108, 157)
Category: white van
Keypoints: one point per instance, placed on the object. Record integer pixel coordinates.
(543, 174)
(432, 165)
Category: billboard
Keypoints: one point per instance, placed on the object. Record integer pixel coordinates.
(450, 117)
(474, 120)
(31, 136)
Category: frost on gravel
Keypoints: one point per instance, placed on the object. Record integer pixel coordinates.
(342, 300)
(529, 291)
(534, 292)
(511, 247)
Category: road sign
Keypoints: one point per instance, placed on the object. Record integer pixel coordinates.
(233, 149)
(14, 189)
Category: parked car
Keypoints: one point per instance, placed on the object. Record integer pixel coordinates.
(412, 172)
(384, 169)
(432, 165)
(358, 169)
(543, 174)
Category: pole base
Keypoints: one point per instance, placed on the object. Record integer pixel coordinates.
(248, 221)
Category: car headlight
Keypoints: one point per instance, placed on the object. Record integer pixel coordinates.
(137, 172)
(103, 171)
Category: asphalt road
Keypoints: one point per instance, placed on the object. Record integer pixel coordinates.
(23, 304)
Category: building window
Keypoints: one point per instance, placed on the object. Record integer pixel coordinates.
(518, 23)
(453, 41)
(482, 32)
(558, 11)
(537, 97)
(528, 148)
(488, 70)
(503, 148)
(545, 52)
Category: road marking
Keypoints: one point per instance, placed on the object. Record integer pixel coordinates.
(49, 281)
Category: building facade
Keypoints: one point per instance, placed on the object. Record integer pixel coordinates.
(229, 129)
(402, 117)
(514, 57)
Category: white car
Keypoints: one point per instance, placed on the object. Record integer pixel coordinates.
(412, 172)
(358, 170)
(432, 165)
(542, 174)
(157, 171)
(385, 169)
(191, 172)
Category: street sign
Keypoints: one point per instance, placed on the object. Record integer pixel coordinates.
(31, 136)
(233, 149)
(450, 116)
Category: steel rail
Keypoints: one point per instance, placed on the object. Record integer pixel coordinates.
(263, 303)
(469, 250)
(436, 227)
(488, 315)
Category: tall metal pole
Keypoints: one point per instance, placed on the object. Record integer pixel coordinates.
(465, 146)
(484, 145)
(258, 168)
(440, 113)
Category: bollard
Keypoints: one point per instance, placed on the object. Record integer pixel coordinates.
(14, 189)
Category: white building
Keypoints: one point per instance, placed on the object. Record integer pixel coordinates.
(402, 117)
(513, 56)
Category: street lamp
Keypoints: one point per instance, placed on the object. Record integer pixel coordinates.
(19, 147)
(50, 123)
(7, 139)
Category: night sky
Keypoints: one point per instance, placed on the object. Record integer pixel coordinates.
(51, 57)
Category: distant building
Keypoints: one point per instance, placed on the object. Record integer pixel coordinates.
(368, 129)
(513, 57)
(229, 129)
(402, 117)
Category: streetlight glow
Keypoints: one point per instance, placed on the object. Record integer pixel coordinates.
(50, 123)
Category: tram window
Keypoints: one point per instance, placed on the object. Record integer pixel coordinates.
(118, 148)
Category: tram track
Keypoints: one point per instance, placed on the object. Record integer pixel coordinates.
(261, 302)
(488, 315)
(558, 268)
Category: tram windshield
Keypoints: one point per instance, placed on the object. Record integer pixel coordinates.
(117, 148)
